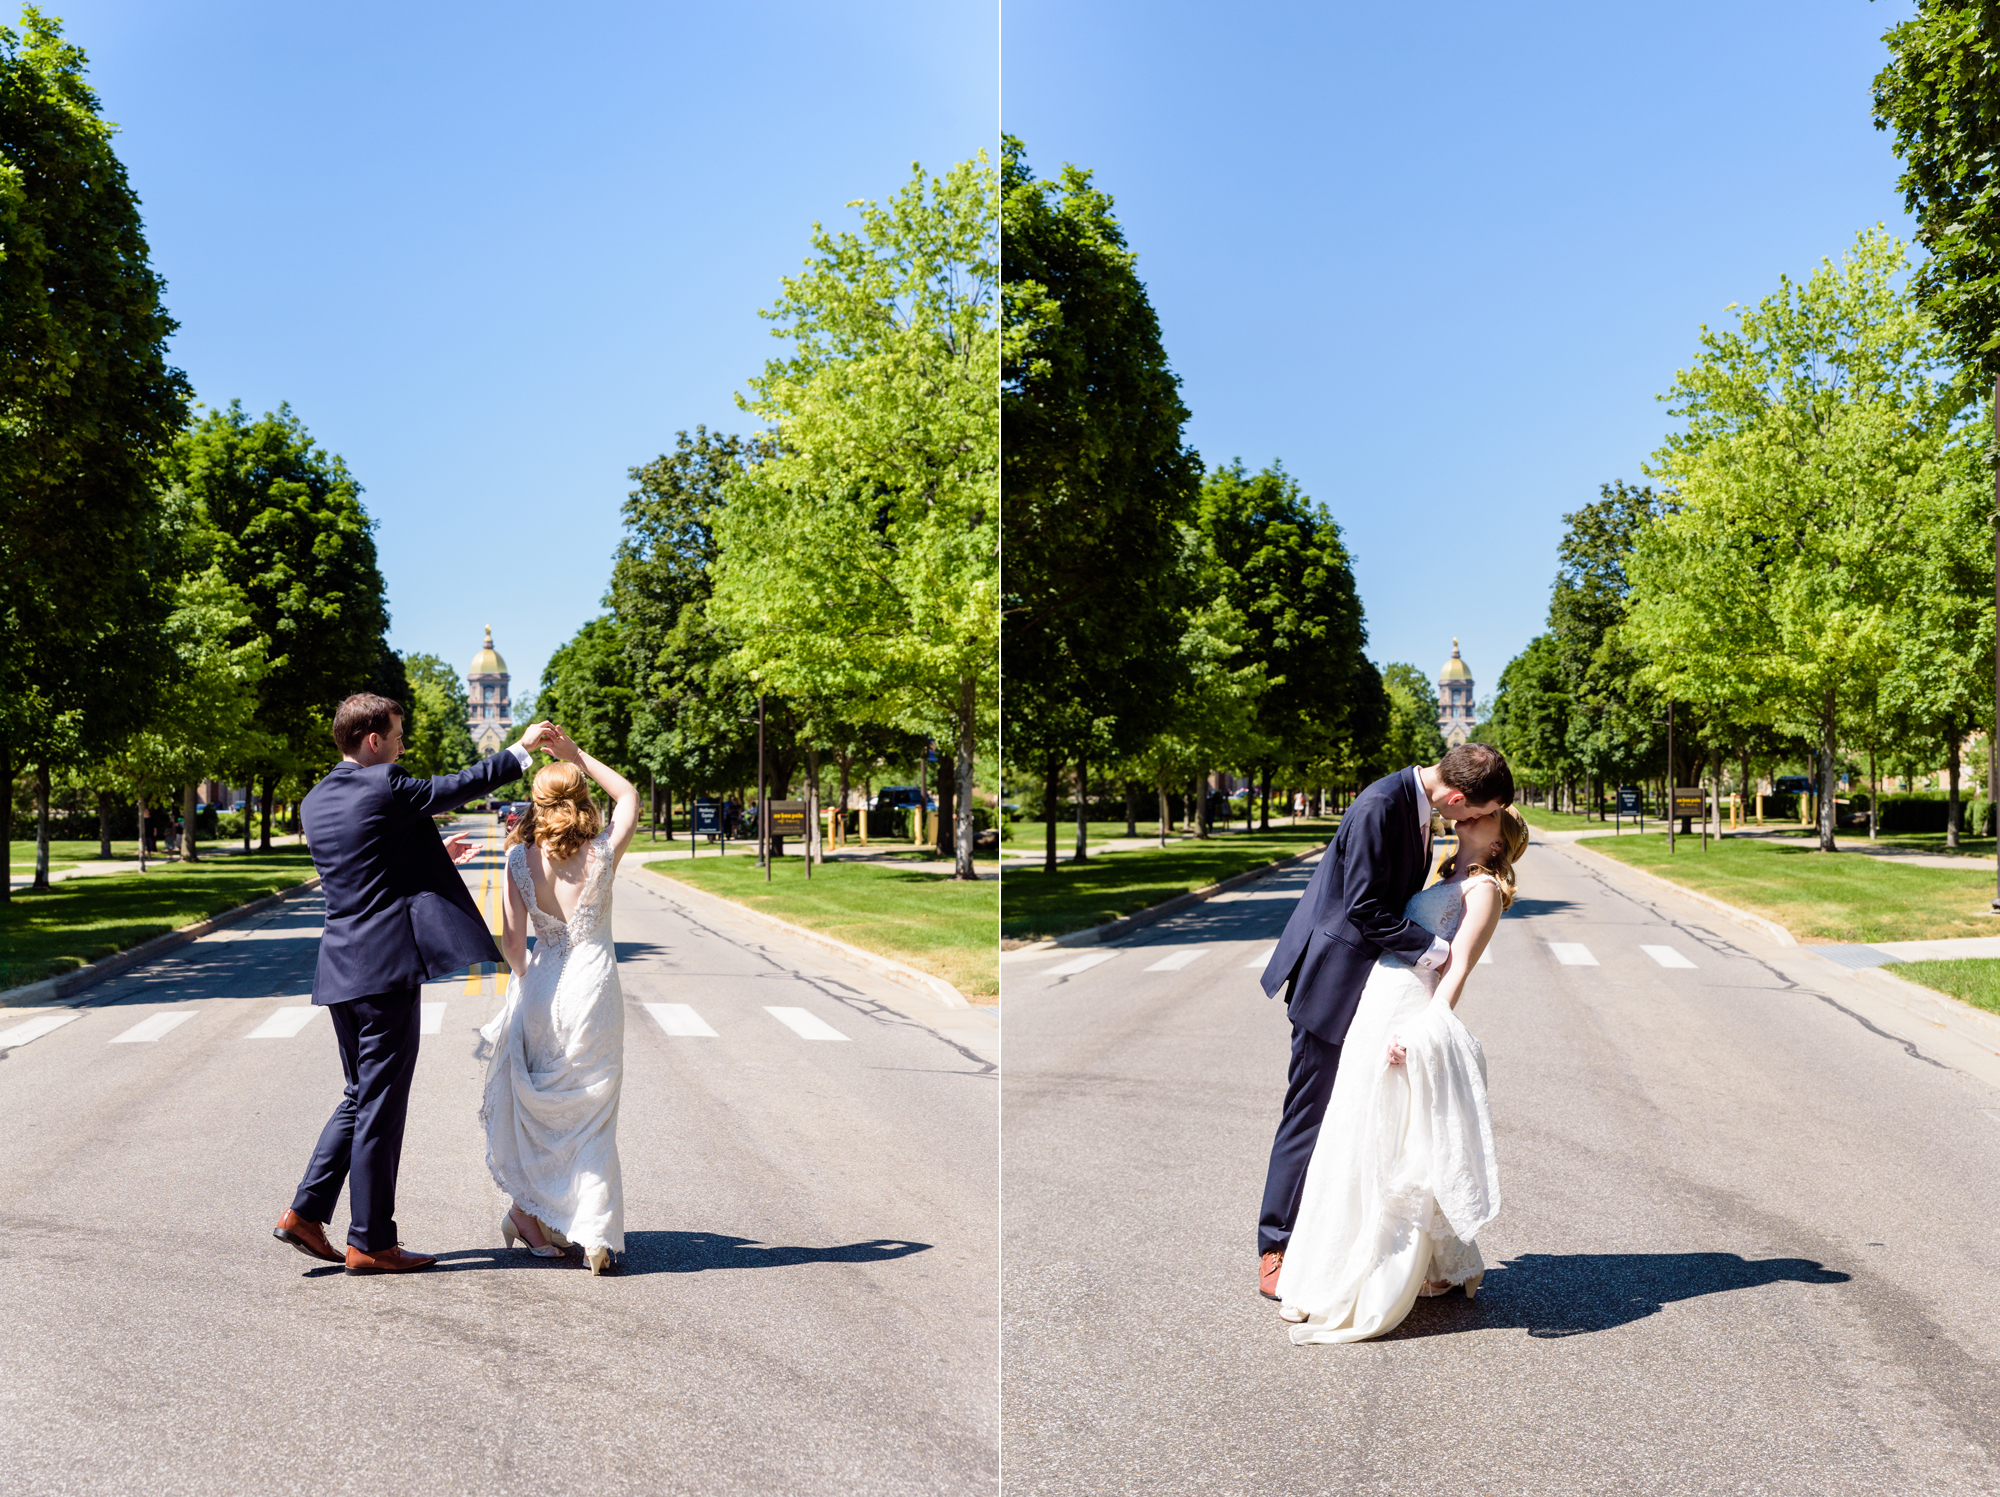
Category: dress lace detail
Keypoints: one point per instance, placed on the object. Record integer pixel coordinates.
(551, 930)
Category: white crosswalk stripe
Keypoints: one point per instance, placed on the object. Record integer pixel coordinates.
(283, 1024)
(432, 1021)
(1572, 954)
(679, 1020)
(158, 1027)
(805, 1024)
(1082, 963)
(1666, 956)
(34, 1029)
(1178, 960)
(1263, 958)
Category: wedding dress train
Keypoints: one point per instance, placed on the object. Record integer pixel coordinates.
(558, 1059)
(1403, 1175)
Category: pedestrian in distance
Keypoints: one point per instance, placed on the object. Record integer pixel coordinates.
(557, 1058)
(397, 915)
(1354, 914)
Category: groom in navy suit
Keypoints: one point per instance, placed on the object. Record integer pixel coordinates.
(1350, 914)
(397, 915)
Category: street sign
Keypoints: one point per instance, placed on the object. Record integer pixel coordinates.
(1690, 801)
(1628, 800)
(708, 818)
(788, 818)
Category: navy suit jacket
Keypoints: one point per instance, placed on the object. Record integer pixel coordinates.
(1352, 911)
(397, 911)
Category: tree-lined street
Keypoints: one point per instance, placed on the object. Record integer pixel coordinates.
(1744, 1244)
(810, 1161)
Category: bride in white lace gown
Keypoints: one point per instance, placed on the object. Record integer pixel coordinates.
(558, 1043)
(1403, 1176)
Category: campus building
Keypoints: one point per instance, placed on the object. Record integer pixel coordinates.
(1455, 709)
(492, 713)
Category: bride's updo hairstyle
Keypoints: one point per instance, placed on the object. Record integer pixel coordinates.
(561, 815)
(1500, 863)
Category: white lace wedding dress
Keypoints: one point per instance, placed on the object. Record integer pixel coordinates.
(1403, 1176)
(558, 1060)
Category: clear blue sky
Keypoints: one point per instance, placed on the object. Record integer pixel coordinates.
(1439, 259)
(496, 254)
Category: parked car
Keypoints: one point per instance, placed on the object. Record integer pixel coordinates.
(515, 810)
(895, 797)
(1793, 784)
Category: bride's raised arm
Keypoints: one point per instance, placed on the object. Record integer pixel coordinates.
(624, 798)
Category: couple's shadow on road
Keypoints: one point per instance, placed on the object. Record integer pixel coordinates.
(683, 1252)
(1573, 1294)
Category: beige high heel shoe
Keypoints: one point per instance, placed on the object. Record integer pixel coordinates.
(511, 1235)
(602, 1260)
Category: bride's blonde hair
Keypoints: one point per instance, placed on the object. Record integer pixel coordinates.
(1500, 862)
(561, 815)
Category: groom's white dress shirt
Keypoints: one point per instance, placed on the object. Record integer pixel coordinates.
(1440, 947)
(527, 758)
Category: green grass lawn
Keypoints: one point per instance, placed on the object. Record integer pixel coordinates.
(1928, 842)
(929, 920)
(79, 920)
(1814, 895)
(1077, 895)
(1975, 980)
(1031, 836)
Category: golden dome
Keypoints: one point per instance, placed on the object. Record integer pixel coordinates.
(488, 662)
(1454, 668)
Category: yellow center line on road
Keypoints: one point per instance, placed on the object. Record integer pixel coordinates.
(489, 908)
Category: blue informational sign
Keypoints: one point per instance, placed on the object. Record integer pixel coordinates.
(1628, 800)
(708, 818)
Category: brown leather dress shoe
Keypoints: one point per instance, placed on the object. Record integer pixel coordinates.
(386, 1260)
(308, 1237)
(1267, 1272)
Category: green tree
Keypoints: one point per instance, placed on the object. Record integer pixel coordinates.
(1412, 735)
(1098, 483)
(436, 738)
(1283, 569)
(1814, 432)
(694, 708)
(858, 566)
(284, 521)
(87, 405)
(587, 688)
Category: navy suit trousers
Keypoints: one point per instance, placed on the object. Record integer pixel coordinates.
(1307, 1091)
(362, 1143)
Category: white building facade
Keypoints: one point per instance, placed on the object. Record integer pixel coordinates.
(492, 717)
(1455, 704)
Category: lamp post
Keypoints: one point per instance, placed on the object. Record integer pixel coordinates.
(763, 807)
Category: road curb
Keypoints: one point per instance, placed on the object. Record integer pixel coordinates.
(1904, 988)
(1124, 925)
(888, 966)
(53, 990)
(1762, 924)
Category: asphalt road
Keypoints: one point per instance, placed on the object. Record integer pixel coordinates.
(1747, 1242)
(811, 1223)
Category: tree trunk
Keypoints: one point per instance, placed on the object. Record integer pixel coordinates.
(1131, 810)
(1160, 784)
(269, 789)
(966, 837)
(1198, 807)
(1874, 793)
(1827, 772)
(104, 824)
(188, 853)
(846, 784)
(946, 830)
(1951, 803)
(1049, 811)
(41, 827)
(1082, 810)
(1264, 816)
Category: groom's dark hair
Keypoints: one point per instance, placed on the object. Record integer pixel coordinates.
(1479, 772)
(362, 714)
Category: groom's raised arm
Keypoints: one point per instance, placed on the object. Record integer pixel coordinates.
(447, 792)
(1376, 909)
